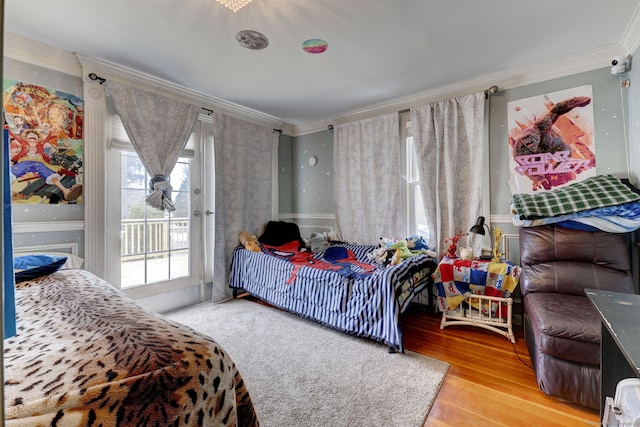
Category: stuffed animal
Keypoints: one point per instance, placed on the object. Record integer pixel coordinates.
(466, 253)
(382, 254)
(385, 242)
(415, 242)
(333, 236)
(249, 241)
(318, 242)
(418, 245)
(401, 251)
(378, 255)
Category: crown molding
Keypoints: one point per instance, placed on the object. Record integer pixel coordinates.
(149, 82)
(560, 67)
(25, 50)
(40, 54)
(32, 52)
(631, 38)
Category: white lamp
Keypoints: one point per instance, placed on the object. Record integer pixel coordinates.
(478, 228)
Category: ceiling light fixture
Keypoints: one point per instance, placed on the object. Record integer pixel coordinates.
(234, 5)
(253, 40)
(314, 46)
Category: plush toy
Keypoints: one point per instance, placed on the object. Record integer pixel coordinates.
(378, 255)
(249, 241)
(401, 251)
(318, 242)
(382, 254)
(385, 242)
(466, 253)
(418, 245)
(415, 242)
(332, 236)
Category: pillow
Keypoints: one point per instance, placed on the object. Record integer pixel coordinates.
(73, 261)
(277, 233)
(28, 267)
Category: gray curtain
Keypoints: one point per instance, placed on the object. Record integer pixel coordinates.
(243, 159)
(366, 163)
(158, 128)
(448, 137)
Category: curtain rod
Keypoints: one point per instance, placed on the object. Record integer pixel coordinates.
(492, 90)
(94, 77)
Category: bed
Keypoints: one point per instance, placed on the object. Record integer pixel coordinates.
(86, 354)
(356, 296)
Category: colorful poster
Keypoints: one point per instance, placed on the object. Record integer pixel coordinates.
(551, 138)
(45, 143)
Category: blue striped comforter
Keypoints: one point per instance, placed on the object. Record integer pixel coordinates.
(369, 306)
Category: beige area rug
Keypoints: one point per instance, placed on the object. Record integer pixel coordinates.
(300, 373)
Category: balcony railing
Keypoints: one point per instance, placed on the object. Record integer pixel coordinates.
(155, 235)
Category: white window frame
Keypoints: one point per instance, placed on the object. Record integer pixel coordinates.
(409, 177)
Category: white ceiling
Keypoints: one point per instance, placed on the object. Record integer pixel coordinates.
(380, 52)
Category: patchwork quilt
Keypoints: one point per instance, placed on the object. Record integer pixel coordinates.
(456, 279)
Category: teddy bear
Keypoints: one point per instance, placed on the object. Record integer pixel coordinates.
(466, 253)
(249, 241)
(318, 242)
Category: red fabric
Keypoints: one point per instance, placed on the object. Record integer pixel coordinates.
(291, 247)
(290, 251)
(351, 258)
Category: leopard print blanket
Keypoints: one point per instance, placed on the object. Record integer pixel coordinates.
(87, 355)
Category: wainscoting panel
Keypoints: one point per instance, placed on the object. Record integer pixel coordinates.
(311, 223)
(52, 235)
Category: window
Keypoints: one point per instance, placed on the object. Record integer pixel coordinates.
(154, 245)
(415, 220)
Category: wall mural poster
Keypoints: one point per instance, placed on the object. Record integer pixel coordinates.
(552, 140)
(45, 143)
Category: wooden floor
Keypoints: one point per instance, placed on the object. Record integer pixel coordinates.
(490, 381)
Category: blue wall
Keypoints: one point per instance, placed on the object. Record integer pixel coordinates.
(305, 190)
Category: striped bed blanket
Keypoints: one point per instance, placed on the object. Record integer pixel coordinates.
(355, 296)
(592, 193)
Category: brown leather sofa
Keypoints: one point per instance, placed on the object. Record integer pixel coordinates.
(561, 327)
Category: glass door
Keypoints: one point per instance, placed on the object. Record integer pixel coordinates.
(155, 246)
(157, 251)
